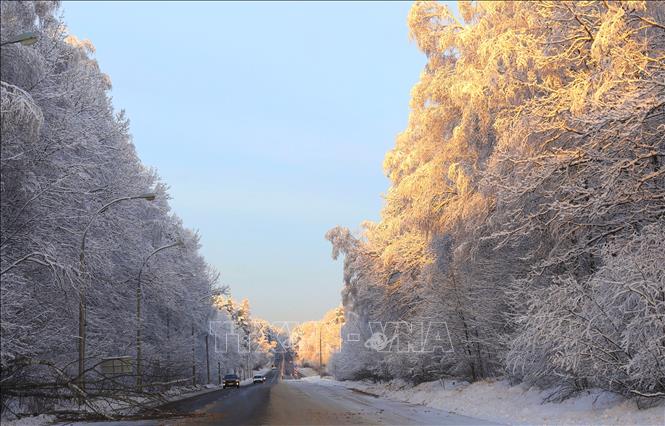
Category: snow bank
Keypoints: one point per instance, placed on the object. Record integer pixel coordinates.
(307, 372)
(500, 402)
(40, 420)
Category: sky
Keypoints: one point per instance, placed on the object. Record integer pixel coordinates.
(269, 122)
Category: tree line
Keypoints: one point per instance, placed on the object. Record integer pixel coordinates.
(526, 212)
(314, 342)
(97, 272)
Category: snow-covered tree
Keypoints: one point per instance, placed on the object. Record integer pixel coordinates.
(534, 148)
(244, 343)
(315, 342)
(81, 221)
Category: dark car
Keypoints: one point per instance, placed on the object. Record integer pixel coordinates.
(231, 380)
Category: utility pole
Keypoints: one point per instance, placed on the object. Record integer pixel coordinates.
(320, 353)
(207, 358)
(168, 345)
(219, 372)
(193, 357)
(249, 368)
(214, 293)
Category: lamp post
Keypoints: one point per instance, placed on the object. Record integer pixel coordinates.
(139, 296)
(247, 370)
(82, 283)
(26, 39)
(213, 293)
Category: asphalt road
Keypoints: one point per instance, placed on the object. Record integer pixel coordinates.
(244, 405)
(283, 400)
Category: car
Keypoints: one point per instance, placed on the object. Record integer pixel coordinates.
(259, 378)
(231, 380)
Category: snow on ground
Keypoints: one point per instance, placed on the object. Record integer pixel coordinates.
(338, 405)
(176, 393)
(307, 372)
(500, 402)
(42, 419)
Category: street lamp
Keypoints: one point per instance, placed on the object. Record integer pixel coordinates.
(213, 293)
(26, 39)
(81, 290)
(248, 367)
(139, 296)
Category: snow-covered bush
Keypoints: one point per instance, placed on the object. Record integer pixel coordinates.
(603, 331)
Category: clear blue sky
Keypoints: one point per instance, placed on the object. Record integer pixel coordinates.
(269, 121)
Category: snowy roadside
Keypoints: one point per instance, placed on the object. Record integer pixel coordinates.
(500, 402)
(307, 372)
(174, 394)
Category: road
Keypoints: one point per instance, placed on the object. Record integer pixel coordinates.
(283, 400)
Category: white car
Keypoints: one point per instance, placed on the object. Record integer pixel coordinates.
(259, 378)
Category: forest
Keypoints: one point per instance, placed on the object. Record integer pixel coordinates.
(96, 269)
(524, 223)
(526, 210)
(314, 342)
